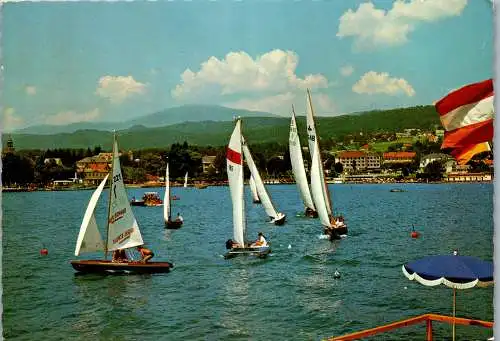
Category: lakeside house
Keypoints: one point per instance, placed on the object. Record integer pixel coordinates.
(398, 158)
(93, 169)
(359, 160)
(207, 163)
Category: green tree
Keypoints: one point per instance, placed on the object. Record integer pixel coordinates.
(339, 168)
(434, 171)
(16, 170)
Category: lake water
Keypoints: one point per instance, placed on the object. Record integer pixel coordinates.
(292, 295)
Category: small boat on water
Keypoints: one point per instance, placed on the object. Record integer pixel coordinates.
(298, 169)
(238, 246)
(397, 190)
(122, 230)
(148, 199)
(277, 218)
(167, 207)
(152, 199)
(135, 202)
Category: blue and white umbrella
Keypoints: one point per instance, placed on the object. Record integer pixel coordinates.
(454, 271)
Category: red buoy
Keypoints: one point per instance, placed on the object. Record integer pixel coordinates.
(44, 252)
(415, 234)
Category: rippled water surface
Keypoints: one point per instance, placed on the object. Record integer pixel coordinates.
(292, 295)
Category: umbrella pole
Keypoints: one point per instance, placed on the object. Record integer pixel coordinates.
(454, 303)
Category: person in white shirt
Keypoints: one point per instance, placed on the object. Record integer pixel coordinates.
(179, 217)
(261, 241)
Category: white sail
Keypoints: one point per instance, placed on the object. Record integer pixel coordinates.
(123, 231)
(317, 186)
(89, 239)
(166, 197)
(261, 189)
(186, 180)
(298, 169)
(313, 145)
(253, 188)
(234, 160)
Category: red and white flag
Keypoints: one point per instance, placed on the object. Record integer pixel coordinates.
(467, 116)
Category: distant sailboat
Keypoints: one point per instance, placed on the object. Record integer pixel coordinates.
(253, 190)
(334, 226)
(277, 218)
(234, 159)
(186, 180)
(122, 230)
(167, 206)
(298, 169)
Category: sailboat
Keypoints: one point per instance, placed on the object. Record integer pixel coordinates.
(167, 206)
(298, 169)
(186, 180)
(234, 159)
(253, 190)
(277, 218)
(122, 230)
(335, 227)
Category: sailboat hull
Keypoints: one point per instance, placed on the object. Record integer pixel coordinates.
(107, 266)
(173, 224)
(311, 213)
(260, 252)
(280, 221)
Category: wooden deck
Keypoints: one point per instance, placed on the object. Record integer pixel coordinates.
(427, 318)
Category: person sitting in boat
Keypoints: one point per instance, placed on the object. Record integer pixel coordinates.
(179, 217)
(231, 244)
(146, 254)
(261, 241)
(119, 256)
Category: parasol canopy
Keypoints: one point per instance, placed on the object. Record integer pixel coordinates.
(454, 271)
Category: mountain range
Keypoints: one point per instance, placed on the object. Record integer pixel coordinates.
(186, 113)
(257, 128)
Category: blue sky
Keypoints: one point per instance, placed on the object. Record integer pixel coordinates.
(71, 62)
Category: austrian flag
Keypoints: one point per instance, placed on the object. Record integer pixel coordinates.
(467, 117)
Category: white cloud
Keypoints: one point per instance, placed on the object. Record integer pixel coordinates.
(30, 90)
(374, 27)
(381, 83)
(118, 88)
(274, 104)
(346, 70)
(323, 104)
(9, 120)
(238, 73)
(281, 104)
(67, 117)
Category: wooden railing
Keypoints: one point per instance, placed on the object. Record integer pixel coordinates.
(427, 318)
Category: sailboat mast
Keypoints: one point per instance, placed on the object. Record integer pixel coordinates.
(319, 152)
(110, 193)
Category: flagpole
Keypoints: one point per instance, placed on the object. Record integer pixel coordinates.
(454, 304)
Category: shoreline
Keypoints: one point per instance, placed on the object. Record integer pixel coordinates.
(218, 184)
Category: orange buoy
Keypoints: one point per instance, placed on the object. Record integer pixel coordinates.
(415, 234)
(44, 252)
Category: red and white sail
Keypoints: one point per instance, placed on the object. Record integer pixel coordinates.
(234, 163)
(467, 116)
